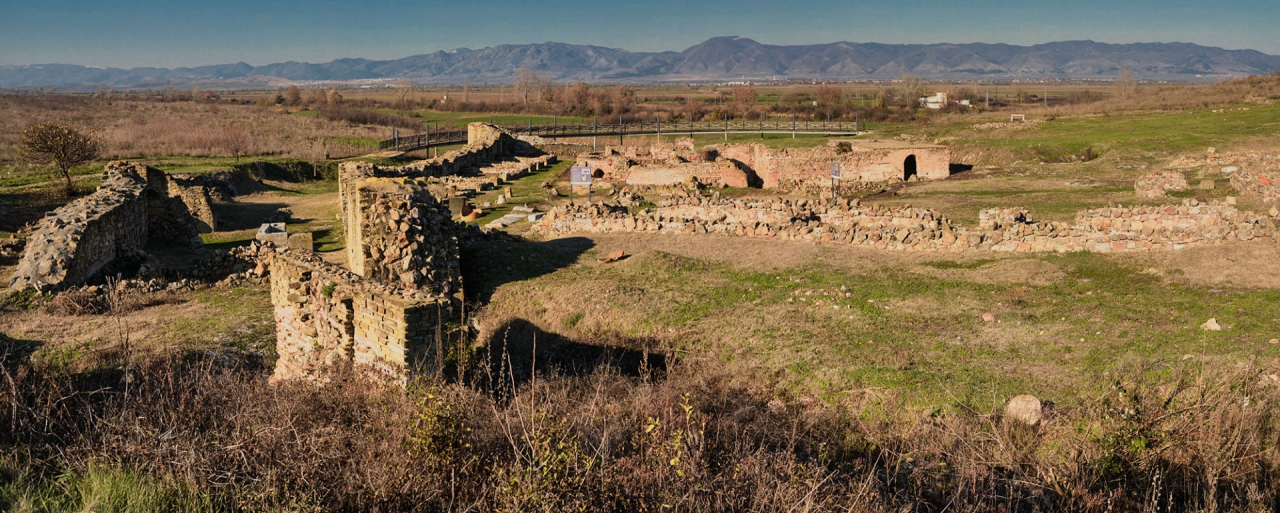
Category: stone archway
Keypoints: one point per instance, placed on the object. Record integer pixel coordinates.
(909, 168)
(599, 173)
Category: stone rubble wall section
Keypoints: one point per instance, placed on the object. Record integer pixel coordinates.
(328, 317)
(1157, 183)
(905, 228)
(404, 236)
(1251, 173)
(1255, 180)
(73, 243)
(198, 201)
(485, 144)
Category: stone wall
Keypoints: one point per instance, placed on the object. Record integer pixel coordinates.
(1157, 183)
(328, 317)
(398, 232)
(1258, 180)
(906, 228)
(757, 165)
(859, 161)
(74, 243)
(387, 310)
(196, 197)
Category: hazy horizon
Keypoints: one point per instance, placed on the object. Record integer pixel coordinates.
(127, 34)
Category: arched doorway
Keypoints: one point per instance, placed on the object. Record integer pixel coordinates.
(909, 168)
(599, 173)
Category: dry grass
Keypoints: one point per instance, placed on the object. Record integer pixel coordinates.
(131, 128)
(697, 439)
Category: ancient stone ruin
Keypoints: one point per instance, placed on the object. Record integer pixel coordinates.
(134, 205)
(912, 229)
(386, 309)
(757, 165)
(1157, 184)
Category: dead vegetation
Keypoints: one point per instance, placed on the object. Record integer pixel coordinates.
(696, 439)
(133, 128)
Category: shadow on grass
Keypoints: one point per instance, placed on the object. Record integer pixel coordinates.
(519, 350)
(243, 216)
(491, 264)
(15, 352)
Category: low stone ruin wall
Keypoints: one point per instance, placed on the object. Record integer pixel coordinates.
(486, 144)
(74, 243)
(1252, 173)
(1156, 184)
(906, 228)
(1259, 181)
(328, 317)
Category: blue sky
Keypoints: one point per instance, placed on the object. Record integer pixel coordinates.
(188, 33)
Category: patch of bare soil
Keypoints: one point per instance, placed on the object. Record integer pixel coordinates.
(1254, 265)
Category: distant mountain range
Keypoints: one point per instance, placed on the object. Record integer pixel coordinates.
(718, 59)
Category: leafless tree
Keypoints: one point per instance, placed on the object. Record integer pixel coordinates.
(235, 140)
(404, 88)
(60, 145)
(1125, 84)
(912, 89)
(527, 83)
(829, 95)
(745, 96)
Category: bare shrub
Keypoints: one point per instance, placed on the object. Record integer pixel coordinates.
(701, 439)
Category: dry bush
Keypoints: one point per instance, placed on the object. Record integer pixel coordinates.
(104, 300)
(699, 439)
(1258, 88)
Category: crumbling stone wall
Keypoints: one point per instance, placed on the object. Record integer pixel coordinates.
(1258, 180)
(1157, 183)
(859, 161)
(757, 165)
(328, 317)
(386, 311)
(905, 228)
(74, 243)
(404, 235)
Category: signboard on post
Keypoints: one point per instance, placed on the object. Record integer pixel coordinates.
(579, 175)
(835, 170)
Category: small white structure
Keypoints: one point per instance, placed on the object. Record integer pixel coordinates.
(937, 101)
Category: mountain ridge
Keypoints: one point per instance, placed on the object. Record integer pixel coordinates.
(716, 59)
